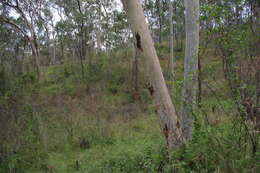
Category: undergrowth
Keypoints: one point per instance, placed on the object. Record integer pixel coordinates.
(76, 122)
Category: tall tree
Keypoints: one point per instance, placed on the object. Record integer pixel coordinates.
(171, 65)
(158, 5)
(166, 113)
(28, 12)
(190, 87)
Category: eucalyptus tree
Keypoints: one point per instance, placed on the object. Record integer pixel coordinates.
(158, 7)
(92, 21)
(156, 13)
(11, 53)
(74, 27)
(171, 35)
(190, 87)
(75, 14)
(239, 48)
(65, 38)
(45, 16)
(235, 27)
(98, 27)
(28, 12)
(165, 109)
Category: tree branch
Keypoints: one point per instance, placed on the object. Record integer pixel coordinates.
(14, 26)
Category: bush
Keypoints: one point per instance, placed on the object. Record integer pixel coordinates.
(20, 146)
(217, 148)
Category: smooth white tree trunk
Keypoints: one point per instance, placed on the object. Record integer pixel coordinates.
(171, 63)
(190, 88)
(98, 30)
(166, 113)
(54, 52)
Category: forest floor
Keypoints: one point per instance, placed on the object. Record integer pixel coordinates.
(95, 122)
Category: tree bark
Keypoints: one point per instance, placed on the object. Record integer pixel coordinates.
(135, 68)
(190, 88)
(165, 110)
(199, 82)
(54, 51)
(48, 43)
(158, 6)
(171, 63)
(258, 89)
(98, 30)
(53, 44)
(31, 39)
(35, 53)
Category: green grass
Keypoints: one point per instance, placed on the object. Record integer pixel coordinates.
(123, 134)
(129, 144)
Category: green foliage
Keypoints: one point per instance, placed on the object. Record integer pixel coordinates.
(60, 79)
(149, 159)
(217, 148)
(83, 116)
(27, 78)
(120, 138)
(130, 149)
(21, 148)
(213, 148)
(66, 78)
(94, 73)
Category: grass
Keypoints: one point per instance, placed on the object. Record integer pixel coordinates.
(123, 134)
(129, 139)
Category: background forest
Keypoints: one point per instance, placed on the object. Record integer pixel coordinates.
(75, 96)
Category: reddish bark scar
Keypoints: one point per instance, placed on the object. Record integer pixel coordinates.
(150, 88)
(166, 131)
(157, 107)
